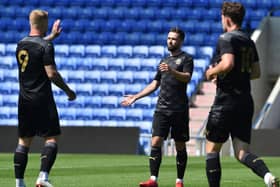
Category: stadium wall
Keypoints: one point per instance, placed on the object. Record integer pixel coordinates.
(265, 142)
(266, 37)
(103, 140)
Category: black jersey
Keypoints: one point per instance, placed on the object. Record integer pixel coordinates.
(33, 53)
(237, 81)
(172, 96)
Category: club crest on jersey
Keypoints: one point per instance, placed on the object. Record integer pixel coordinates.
(178, 61)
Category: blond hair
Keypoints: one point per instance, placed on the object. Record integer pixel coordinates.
(38, 18)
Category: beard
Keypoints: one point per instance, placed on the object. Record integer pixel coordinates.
(172, 48)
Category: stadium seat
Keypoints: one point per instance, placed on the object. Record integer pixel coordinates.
(190, 50)
(190, 89)
(77, 76)
(125, 77)
(92, 76)
(108, 77)
(104, 38)
(8, 62)
(92, 101)
(100, 114)
(10, 75)
(112, 25)
(201, 3)
(214, 12)
(109, 123)
(156, 51)
(203, 26)
(11, 49)
(132, 38)
(201, 63)
(144, 102)
(132, 64)
(149, 64)
(116, 89)
(118, 12)
(116, 64)
(165, 13)
(61, 49)
(118, 38)
(10, 100)
(2, 49)
(77, 50)
(148, 114)
(100, 89)
(249, 3)
(133, 88)
(148, 39)
(118, 114)
(84, 89)
(102, 12)
(124, 51)
(141, 77)
(134, 114)
(100, 63)
(140, 51)
(93, 50)
(109, 102)
(84, 113)
(108, 51)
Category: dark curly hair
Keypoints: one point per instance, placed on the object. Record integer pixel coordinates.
(235, 11)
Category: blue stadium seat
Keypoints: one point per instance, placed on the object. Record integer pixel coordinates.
(116, 89)
(100, 63)
(161, 38)
(201, 63)
(190, 50)
(102, 12)
(100, 114)
(116, 64)
(81, 25)
(124, 51)
(212, 39)
(84, 113)
(133, 88)
(93, 50)
(73, 37)
(108, 77)
(84, 89)
(77, 76)
(100, 89)
(203, 26)
(214, 13)
(11, 75)
(2, 49)
(216, 4)
(275, 3)
(104, 38)
(61, 101)
(156, 51)
(258, 15)
(190, 89)
(148, 13)
(133, 64)
(92, 76)
(10, 100)
(118, 12)
(165, 13)
(117, 114)
(267, 4)
(92, 101)
(148, 115)
(118, 38)
(96, 25)
(77, 50)
(132, 38)
(79, 3)
(140, 26)
(144, 102)
(141, 77)
(8, 62)
(140, 3)
(1, 74)
(140, 51)
(201, 3)
(149, 64)
(154, 100)
(11, 48)
(134, 114)
(67, 113)
(155, 26)
(125, 77)
(108, 51)
(112, 25)
(62, 3)
(109, 102)
(109, 123)
(148, 39)
(249, 3)
(205, 52)
(62, 50)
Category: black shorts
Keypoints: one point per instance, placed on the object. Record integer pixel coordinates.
(235, 120)
(177, 122)
(38, 119)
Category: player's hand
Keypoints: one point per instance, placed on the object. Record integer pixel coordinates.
(163, 67)
(56, 29)
(71, 95)
(209, 75)
(128, 100)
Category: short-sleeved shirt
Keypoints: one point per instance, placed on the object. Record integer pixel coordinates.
(33, 53)
(172, 96)
(237, 81)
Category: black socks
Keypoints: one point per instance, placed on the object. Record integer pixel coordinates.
(213, 169)
(155, 160)
(20, 160)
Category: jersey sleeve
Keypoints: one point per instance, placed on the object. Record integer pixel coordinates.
(225, 45)
(188, 65)
(48, 58)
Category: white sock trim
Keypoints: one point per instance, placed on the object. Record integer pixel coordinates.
(179, 180)
(154, 178)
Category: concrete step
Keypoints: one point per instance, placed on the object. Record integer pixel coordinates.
(198, 114)
(195, 126)
(208, 88)
(204, 100)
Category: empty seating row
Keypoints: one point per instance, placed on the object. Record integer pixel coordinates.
(120, 51)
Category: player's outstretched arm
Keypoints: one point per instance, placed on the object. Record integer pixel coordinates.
(56, 30)
(130, 99)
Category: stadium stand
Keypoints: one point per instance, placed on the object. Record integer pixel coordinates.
(110, 48)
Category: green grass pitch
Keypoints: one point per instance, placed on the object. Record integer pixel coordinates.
(96, 170)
